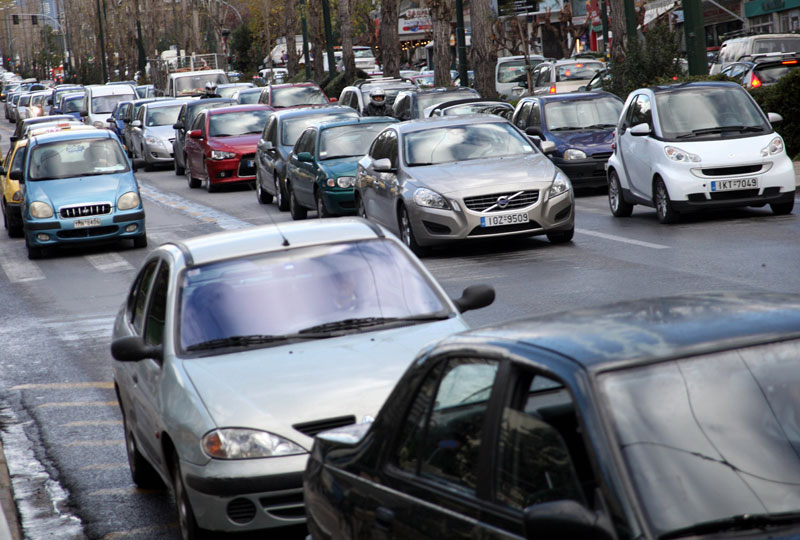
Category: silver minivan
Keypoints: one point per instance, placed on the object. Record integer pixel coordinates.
(743, 48)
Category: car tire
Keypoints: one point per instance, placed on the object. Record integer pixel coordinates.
(407, 233)
(361, 208)
(781, 209)
(298, 212)
(322, 211)
(663, 203)
(561, 237)
(261, 194)
(35, 252)
(280, 196)
(142, 473)
(616, 201)
(179, 171)
(186, 520)
(148, 167)
(140, 242)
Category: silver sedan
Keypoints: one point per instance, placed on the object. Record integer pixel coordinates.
(462, 178)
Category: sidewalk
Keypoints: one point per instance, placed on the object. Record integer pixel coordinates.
(9, 524)
(797, 173)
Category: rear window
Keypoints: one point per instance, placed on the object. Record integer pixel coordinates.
(772, 73)
(577, 72)
(788, 44)
(298, 95)
(106, 104)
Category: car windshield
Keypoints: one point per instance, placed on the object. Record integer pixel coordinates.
(347, 141)
(196, 84)
(292, 128)
(363, 53)
(290, 291)
(229, 91)
(463, 142)
(475, 108)
(426, 100)
(292, 96)
(75, 158)
(424, 81)
(202, 105)
(578, 71)
(162, 116)
(106, 104)
(713, 436)
(37, 100)
(514, 70)
(249, 98)
(709, 112)
(236, 123)
(773, 73)
(72, 105)
(578, 114)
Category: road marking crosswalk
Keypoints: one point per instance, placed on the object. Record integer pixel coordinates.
(109, 262)
(622, 239)
(18, 268)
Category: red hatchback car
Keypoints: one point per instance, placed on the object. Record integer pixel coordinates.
(287, 95)
(221, 145)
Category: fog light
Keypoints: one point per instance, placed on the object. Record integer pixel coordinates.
(43, 237)
(224, 174)
(132, 227)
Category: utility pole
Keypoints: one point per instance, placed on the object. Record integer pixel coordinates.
(694, 29)
(102, 44)
(461, 43)
(326, 18)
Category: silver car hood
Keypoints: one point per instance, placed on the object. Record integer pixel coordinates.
(164, 133)
(271, 389)
(534, 170)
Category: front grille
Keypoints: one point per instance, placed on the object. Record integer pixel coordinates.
(484, 231)
(88, 232)
(730, 195)
(241, 510)
(244, 170)
(85, 210)
(515, 199)
(730, 171)
(318, 426)
(601, 155)
(287, 505)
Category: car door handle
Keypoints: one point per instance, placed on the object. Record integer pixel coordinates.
(135, 379)
(384, 518)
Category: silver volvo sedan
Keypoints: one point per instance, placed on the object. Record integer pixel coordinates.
(462, 178)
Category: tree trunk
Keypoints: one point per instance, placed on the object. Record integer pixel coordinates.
(346, 31)
(316, 36)
(442, 15)
(290, 20)
(484, 56)
(390, 52)
(619, 49)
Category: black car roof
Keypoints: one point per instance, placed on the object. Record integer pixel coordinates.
(651, 330)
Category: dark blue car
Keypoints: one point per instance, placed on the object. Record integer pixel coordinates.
(581, 125)
(71, 105)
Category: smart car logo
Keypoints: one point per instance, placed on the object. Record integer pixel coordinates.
(502, 201)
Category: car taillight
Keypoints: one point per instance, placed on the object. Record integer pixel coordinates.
(614, 141)
(552, 88)
(789, 62)
(756, 82)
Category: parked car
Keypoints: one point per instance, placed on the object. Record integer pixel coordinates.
(743, 48)
(436, 181)
(280, 96)
(247, 96)
(78, 187)
(22, 125)
(457, 107)
(100, 99)
(186, 116)
(763, 70)
(71, 105)
(11, 105)
(510, 71)
(58, 93)
(12, 195)
(411, 104)
(620, 421)
(357, 95)
(131, 113)
(228, 90)
(221, 145)
(7, 88)
(582, 127)
(237, 388)
(600, 81)
(37, 104)
(116, 121)
(23, 102)
(321, 171)
(152, 133)
(562, 76)
(689, 147)
(279, 137)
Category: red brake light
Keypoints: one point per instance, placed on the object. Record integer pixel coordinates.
(578, 65)
(756, 82)
(552, 88)
(788, 62)
(674, 77)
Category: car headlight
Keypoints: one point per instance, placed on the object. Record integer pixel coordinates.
(98, 125)
(17, 196)
(560, 185)
(127, 201)
(431, 199)
(342, 181)
(574, 153)
(775, 146)
(676, 154)
(41, 210)
(241, 443)
(219, 154)
(153, 140)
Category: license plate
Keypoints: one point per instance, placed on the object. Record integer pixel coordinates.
(504, 219)
(734, 184)
(80, 223)
(250, 163)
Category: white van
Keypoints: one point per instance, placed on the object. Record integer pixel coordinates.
(99, 102)
(510, 71)
(743, 48)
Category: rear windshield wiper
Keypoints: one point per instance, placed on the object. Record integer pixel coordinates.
(366, 322)
(254, 339)
(740, 522)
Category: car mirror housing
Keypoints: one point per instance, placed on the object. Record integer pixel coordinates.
(134, 349)
(475, 297)
(84, 113)
(136, 123)
(548, 147)
(196, 134)
(534, 130)
(305, 156)
(641, 130)
(382, 165)
(774, 118)
(15, 175)
(177, 125)
(563, 519)
(265, 145)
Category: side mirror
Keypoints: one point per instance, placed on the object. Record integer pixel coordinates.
(382, 165)
(563, 519)
(474, 297)
(333, 100)
(582, 88)
(2, 171)
(534, 130)
(196, 134)
(774, 118)
(50, 101)
(13, 139)
(136, 123)
(84, 113)
(177, 125)
(548, 147)
(110, 119)
(305, 156)
(15, 175)
(264, 146)
(133, 349)
(640, 130)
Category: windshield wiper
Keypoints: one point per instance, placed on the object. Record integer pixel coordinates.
(254, 339)
(600, 126)
(342, 156)
(566, 128)
(366, 322)
(740, 522)
(719, 129)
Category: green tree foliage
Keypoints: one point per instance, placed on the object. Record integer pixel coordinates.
(645, 63)
(240, 43)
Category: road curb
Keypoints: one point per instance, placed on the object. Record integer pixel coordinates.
(9, 522)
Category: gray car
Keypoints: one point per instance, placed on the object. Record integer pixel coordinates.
(233, 350)
(152, 133)
(465, 177)
(280, 133)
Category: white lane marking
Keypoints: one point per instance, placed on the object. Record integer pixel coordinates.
(109, 262)
(81, 329)
(18, 268)
(200, 212)
(622, 239)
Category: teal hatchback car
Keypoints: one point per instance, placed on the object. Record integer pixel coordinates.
(321, 171)
(79, 187)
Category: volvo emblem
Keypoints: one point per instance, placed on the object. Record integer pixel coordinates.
(502, 201)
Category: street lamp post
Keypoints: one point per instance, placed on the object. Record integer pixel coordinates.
(461, 43)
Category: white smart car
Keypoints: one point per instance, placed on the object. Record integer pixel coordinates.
(686, 147)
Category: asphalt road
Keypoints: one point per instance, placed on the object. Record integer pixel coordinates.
(62, 429)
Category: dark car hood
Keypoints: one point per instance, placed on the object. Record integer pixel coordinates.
(244, 144)
(345, 166)
(590, 141)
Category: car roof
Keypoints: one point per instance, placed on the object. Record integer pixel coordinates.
(448, 121)
(311, 109)
(268, 238)
(110, 89)
(575, 96)
(698, 84)
(288, 85)
(359, 120)
(644, 331)
(239, 108)
(166, 102)
(43, 119)
(457, 102)
(199, 102)
(69, 135)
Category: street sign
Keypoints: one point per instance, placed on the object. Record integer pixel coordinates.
(516, 7)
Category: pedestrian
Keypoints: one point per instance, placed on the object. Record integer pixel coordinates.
(377, 105)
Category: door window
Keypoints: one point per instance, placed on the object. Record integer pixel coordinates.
(137, 299)
(522, 116)
(536, 115)
(199, 123)
(157, 309)
(379, 148)
(306, 142)
(391, 147)
(641, 112)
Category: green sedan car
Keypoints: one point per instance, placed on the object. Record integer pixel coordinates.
(321, 170)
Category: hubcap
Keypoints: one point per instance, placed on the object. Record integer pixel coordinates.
(181, 504)
(661, 200)
(406, 226)
(613, 193)
(278, 197)
(320, 206)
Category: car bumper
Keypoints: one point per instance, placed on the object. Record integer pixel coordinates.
(341, 202)
(51, 232)
(158, 153)
(246, 495)
(433, 226)
(227, 171)
(584, 172)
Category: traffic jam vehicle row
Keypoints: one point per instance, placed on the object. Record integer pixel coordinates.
(541, 428)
